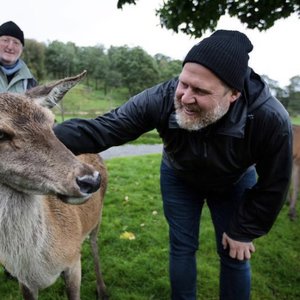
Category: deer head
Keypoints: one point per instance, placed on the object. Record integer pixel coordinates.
(32, 159)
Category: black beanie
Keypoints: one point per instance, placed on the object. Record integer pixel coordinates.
(225, 53)
(12, 29)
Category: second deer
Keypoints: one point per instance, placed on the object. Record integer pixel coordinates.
(296, 173)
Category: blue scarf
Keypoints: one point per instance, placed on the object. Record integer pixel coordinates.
(9, 70)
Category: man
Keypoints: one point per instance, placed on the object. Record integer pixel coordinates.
(219, 123)
(14, 74)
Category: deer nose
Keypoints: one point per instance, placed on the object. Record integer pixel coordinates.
(89, 184)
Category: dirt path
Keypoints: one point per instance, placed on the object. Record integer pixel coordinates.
(131, 150)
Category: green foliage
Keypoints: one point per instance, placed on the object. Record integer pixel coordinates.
(34, 56)
(191, 17)
(95, 61)
(168, 68)
(293, 103)
(122, 2)
(138, 269)
(196, 17)
(85, 102)
(59, 59)
(296, 120)
(119, 68)
(148, 138)
(137, 68)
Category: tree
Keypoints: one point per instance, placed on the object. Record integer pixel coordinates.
(167, 67)
(138, 68)
(280, 93)
(113, 79)
(294, 94)
(195, 17)
(92, 59)
(60, 59)
(34, 56)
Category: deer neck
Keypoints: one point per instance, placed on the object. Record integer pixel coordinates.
(22, 222)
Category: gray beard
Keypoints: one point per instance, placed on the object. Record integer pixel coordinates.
(202, 120)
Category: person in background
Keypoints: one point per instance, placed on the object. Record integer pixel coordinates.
(14, 73)
(227, 143)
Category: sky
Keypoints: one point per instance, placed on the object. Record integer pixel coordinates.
(276, 51)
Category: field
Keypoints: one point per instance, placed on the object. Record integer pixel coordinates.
(137, 269)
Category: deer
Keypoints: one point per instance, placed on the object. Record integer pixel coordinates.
(294, 190)
(50, 199)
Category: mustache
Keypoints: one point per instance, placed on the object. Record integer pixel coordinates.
(192, 107)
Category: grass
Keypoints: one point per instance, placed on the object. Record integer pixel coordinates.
(138, 269)
(84, 102)
(296, 120)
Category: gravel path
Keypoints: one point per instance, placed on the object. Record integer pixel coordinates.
(131, 150)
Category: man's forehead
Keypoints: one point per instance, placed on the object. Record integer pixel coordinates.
(10, 37)
(200, 78)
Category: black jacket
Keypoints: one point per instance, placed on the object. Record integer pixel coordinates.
(255, 131)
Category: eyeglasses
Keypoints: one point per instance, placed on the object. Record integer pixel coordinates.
(4, 40)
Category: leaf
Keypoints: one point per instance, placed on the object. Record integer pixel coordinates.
(126, 235)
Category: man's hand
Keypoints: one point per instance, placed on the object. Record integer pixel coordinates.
(238, 250)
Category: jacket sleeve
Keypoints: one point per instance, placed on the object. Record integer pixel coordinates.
(138, 115)
(261, 206)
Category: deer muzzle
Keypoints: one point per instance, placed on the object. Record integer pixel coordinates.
(88, 184)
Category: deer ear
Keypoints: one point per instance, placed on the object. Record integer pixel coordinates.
(48, 95)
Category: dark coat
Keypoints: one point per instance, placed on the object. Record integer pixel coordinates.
(255, 131)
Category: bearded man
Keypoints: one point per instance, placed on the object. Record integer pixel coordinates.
(227, 143)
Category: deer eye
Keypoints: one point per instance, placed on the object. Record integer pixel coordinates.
(4, 136)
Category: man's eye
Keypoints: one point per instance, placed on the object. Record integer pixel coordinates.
(184, 85)
(201, 92)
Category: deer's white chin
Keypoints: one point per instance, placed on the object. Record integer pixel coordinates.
(74, 200)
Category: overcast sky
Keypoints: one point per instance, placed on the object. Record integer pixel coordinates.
(92, 22)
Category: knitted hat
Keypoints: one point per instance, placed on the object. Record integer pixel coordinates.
(225, 53)
(12, 29)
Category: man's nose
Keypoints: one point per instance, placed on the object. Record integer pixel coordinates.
(188, 97)
(10, 44)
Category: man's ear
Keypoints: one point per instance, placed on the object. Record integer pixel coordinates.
(235, 94)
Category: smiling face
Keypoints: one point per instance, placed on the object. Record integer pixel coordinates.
(10, 50)
(201, 98)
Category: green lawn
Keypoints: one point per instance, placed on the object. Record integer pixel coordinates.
(296, 120)
(138, 269)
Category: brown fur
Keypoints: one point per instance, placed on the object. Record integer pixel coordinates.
(41, 233)
(296, 172)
